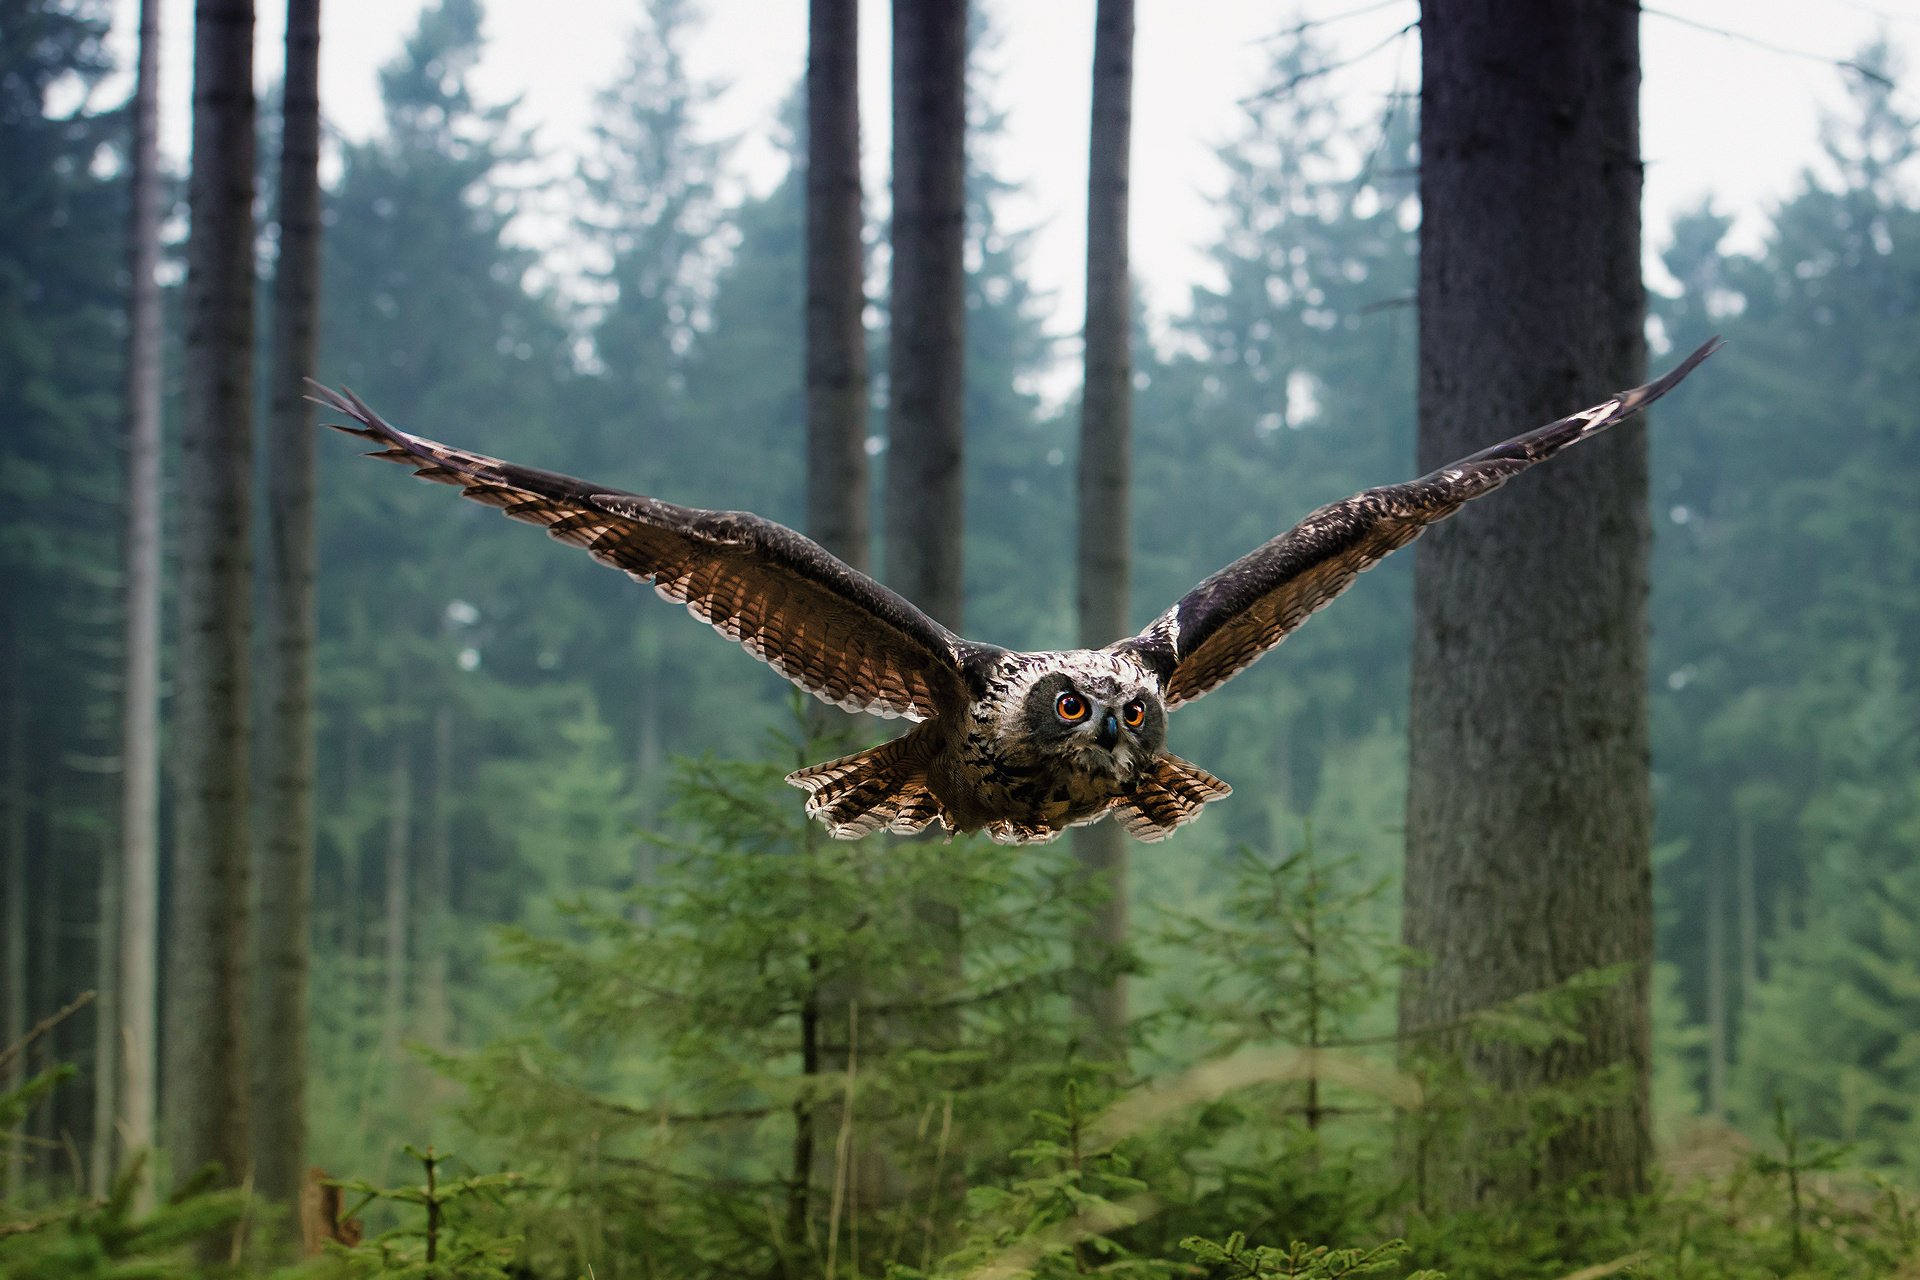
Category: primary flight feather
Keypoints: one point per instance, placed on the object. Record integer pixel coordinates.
(1019, 745)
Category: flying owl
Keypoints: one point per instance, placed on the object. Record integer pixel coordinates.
(1019, 745)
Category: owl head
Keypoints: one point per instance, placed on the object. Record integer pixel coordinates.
(1104, 717)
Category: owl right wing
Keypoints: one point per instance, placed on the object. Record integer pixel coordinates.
(1220, 627)
(821, 623)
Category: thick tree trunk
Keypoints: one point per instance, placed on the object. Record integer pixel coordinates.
(926, 428)
(207, 989)
(837, 516)
(286, 863)
(1528, 814)
(1106, 465)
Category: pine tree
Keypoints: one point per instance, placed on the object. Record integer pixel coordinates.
(1775, 763)
(62, 233)
(137, 989)
(209, 962)
(1528, 810)
(1103, 524)
(286, 862)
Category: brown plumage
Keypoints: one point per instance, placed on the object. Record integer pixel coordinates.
(1021, 745)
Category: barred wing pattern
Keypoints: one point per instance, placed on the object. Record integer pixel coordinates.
(816, 620)
(1219, 628)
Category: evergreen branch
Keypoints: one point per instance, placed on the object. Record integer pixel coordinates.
(656, 1115)
(46, 1024)
(708, 1181)
(1043, 981)
(1786, 51)
(1305, 25)
(1294, 82)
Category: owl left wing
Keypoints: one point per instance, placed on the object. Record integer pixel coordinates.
(1247, 608)
(821, 623)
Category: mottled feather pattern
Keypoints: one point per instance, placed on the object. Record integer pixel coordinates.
(1166, 798)
(1221, 626)
(756, 582)
(998, 751)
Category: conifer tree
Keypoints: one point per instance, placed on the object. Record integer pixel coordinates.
(136, 990)
(1103, 524)
(209, 965)
(1528, 810)
(286, 863)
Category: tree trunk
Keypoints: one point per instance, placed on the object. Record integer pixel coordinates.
(13, 884)
(207, 989)
(837, 516)
(394, 936)
(1106, 464)
(435, 1018)
(1716, 985)
(926, 369)
(286, 865)
(1528, 818)
(1748, 889)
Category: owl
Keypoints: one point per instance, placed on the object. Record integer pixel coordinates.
(1021, 746)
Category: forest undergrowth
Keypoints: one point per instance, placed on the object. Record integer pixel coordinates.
(773, 1061)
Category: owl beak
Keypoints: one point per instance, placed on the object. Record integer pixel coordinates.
(1109, 730)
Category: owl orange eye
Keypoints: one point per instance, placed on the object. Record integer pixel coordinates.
(1134, 714)
(1070, 707)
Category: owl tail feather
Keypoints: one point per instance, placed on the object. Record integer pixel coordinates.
(880, 789)
(1166, 798)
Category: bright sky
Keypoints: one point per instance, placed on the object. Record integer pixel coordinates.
(1737, 117)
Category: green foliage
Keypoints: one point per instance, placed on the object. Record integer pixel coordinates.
(1062, 1215)
(728, 1067)
(1784, 735)
(448, 1242)
(1231, 1259)
(109, 1238)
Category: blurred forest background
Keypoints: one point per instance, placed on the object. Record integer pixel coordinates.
(567, 922)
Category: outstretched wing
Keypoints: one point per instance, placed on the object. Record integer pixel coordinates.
(1250, 606)
(816, 620)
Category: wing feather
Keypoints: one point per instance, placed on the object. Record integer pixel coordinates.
(1221, 626)
(822, 624)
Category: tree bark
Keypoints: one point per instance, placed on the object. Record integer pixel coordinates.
(13, 885)
(837, 500)
(206, 1083)
(435, 1017)
(138, 878)
(286, 864)
(1747, 887)
(926, 429)
(394, 935)
(1105, 474)
(1716, 943)
(1528, 817)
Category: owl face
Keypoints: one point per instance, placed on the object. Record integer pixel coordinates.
(1102, 721)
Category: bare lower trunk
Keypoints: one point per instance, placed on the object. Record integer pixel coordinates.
(394, 936)
(139, 898)
(1528, 817)
(1105, 480)
(207, 988)
(436, 890)
(13, 884)
(1716, 943)
(286, 870)
(1749, 892)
